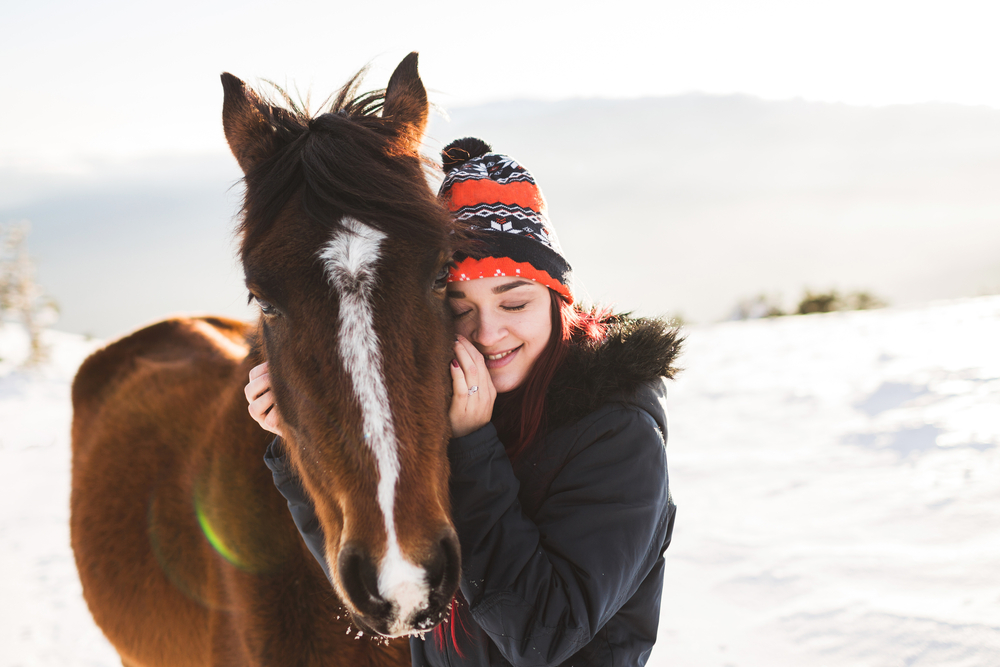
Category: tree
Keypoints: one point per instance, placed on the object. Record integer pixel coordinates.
(823, 302)
(21, 298)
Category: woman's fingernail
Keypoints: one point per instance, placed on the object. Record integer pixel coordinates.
(454, 363)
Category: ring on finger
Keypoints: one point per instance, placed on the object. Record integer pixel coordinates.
(473, 389)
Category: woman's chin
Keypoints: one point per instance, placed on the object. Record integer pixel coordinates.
(504, 380)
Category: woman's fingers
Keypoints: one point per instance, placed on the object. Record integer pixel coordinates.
(272, 422)
(259, 407)
(265, 412)
(257, 371)
(473, 366)
(257, 387)
(470, 411)
(260, 400)
(479, 373)
(467, 361)
(458, 384)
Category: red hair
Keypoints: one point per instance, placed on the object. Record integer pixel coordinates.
(519, 415)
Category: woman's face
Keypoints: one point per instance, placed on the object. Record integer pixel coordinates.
(508, 319)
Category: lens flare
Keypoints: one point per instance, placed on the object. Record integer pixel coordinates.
(215, 539)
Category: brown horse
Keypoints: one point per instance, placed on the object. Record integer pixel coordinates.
(186, 552)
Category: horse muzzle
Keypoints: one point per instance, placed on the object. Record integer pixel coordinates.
(397, 597)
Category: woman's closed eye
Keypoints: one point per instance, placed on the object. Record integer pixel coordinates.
(509, 309)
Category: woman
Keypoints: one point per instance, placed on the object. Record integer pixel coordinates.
(559, 482)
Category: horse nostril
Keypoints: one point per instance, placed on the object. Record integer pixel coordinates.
(359, 578)
(444, 567)
(443, 570)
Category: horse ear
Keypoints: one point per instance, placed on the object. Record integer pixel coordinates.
(249, 133)
(406, 102)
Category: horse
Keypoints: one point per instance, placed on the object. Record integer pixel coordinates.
(186, 552)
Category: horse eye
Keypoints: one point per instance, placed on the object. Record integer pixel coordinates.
(441, 281)
(266, 307)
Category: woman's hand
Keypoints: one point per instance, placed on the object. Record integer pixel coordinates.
(474, 394)
(261, 400)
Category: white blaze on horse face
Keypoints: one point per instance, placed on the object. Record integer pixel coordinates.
(349, 259)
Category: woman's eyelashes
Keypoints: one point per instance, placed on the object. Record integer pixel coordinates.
(513, 308)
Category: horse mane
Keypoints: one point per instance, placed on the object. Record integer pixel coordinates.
(346, 160)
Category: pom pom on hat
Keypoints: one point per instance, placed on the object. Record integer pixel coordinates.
(499, 200)
(463, 150)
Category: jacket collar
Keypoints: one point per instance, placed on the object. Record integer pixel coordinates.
(627, 365)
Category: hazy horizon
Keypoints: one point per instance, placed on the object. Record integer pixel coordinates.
(679, 204)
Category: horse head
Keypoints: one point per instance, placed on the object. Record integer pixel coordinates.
(344, 248)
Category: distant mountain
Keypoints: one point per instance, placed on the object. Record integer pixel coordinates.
(129, 243)
(682, 204)
(686, 203)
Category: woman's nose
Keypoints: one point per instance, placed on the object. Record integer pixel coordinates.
(488, 331)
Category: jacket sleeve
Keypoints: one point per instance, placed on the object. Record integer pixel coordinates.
(542, 588)
(303, 513)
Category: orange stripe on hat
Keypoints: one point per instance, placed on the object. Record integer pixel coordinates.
(471, 268)
(485, 191)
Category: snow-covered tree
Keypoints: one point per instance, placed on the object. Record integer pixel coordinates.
(21, 298)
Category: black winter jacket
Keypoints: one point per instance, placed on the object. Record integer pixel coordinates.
(562, 551)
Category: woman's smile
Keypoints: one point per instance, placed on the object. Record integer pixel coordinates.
(500, 359)
(509, 320)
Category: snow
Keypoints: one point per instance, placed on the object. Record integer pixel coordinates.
(835, 475)
(836, 481)
(43, 618)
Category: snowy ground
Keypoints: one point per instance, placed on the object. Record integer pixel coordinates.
(838, 488)
(837, 477)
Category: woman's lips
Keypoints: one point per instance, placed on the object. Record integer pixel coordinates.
(502, 361)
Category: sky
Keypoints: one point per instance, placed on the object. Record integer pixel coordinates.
(107, 80)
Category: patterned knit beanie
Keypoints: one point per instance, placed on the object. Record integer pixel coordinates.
(500, 201)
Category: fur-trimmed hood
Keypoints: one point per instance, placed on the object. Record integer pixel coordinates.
(633, 353)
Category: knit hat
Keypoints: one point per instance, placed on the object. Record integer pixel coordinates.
(500, 201)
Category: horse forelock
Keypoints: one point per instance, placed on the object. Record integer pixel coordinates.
(345, 161)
